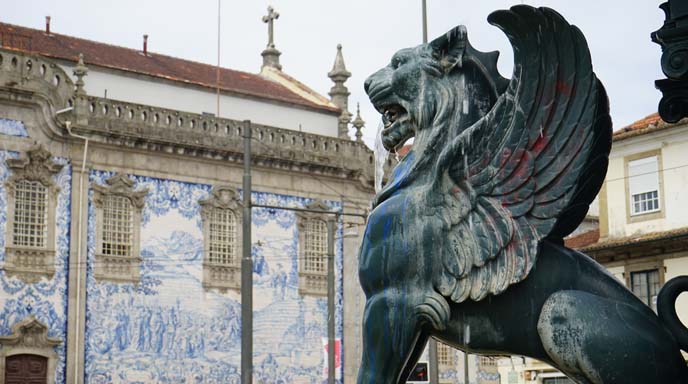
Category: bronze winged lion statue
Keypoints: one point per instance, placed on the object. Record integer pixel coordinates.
(468, 229)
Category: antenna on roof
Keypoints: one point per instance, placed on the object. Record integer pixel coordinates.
(47, 25)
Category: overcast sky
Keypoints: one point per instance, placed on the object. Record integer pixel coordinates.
(308, 31)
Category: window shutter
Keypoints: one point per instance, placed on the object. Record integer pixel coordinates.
(643, 175)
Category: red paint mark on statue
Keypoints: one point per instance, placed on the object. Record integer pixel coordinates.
(563, 87)
(506, 154)
(539, 144)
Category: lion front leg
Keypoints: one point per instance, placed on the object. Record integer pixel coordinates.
(391, 334)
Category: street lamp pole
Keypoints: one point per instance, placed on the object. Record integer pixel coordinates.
(247, 267)
(330, 300)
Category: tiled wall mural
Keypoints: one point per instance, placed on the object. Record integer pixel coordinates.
(12, 128)
(47, 299)
(168, 329)
(456, 374)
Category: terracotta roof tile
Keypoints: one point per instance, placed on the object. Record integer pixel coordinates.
(648, 124)
(583, 240)
(110, 56)
(637, 239)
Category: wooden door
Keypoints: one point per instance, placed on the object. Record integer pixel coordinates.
(26, 369)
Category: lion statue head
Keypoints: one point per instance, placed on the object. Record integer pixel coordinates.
(434, 90)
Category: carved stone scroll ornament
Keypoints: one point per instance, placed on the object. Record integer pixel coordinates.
(217, 274)
(467, 234)
(29, 336)
(30, 240)
(119, 260)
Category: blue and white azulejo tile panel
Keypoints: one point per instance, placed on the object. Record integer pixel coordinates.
(10, 127)
(46, 299)
(169, 329)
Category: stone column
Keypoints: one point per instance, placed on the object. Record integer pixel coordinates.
(76, 300)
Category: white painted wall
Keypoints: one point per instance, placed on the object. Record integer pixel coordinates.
(143, 90)
(677, 267)
(673, 145)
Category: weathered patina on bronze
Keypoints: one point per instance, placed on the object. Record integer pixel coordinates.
(468, 230)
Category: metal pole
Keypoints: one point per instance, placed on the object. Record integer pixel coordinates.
(330, 300)
(217, 70)
(425, 22)
(434, 366)
(466, 341)
(247, 267)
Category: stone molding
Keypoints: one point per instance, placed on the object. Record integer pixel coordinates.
(30, 264)
(310, 283)
(148, 128)
(29, 336)
(114, 268)
(218, 275)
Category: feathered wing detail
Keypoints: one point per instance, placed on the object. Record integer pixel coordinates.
(530, 167)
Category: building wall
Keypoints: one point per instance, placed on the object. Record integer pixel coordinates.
(46, 299)
(673, 146)
(676, 267)
(289, 329)
(145, 90)
(169, 329)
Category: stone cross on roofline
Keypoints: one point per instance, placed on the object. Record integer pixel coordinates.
(270, 20)
(271, 54)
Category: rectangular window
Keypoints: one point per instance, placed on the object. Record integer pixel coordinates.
(222, 237)
(444, 354)
(30, 214)
(488, 361)
(643, 185)
(645, 285)
(316, 247)
(117, 226)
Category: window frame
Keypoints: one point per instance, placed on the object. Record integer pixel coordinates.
(651, 265)
(32, 263)
(112, 267)
(312, 283)
(659, 213)
(222, 276)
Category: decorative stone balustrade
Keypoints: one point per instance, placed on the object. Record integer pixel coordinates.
(37, 75)
(208, 136)
(182, 133)
(314, 284)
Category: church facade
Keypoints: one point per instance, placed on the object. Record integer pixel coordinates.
(120, 216)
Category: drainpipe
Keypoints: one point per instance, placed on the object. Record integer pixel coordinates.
(79, 238)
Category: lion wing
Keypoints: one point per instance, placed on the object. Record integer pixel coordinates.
(531, 166)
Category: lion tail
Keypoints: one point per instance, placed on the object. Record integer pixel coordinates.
(666, 309)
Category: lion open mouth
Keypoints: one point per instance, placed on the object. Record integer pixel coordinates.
(397, 127)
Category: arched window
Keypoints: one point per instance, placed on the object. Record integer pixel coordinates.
(31, 203)
(222, 215)
(118, 227)
(315, 247)
(312, 229)
(222, 233)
